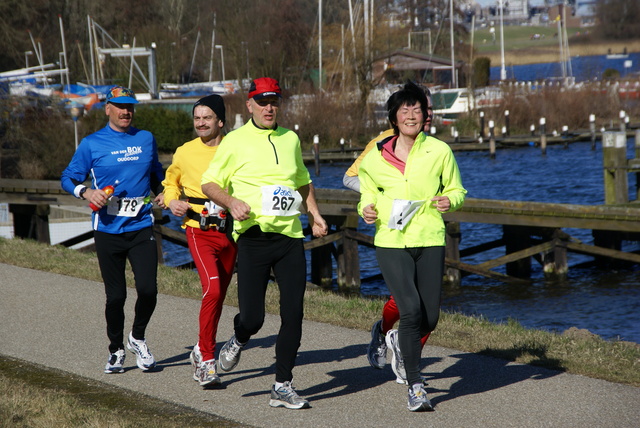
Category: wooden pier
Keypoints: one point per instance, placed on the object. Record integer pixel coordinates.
(530, 230)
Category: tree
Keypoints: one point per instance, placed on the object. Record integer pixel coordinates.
(619, 19)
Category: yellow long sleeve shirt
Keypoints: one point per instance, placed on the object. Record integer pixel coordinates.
(250, 159)
(185, 173)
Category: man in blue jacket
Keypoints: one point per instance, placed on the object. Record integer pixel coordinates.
(124, 168)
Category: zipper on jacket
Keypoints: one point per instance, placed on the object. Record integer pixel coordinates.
(275, 152)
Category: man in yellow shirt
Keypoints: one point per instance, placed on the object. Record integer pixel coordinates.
(214, 254)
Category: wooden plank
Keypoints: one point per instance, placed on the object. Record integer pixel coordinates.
(480, 248)
(319, 242)
(528, 252)
(484, 272)
(360, 237)
(77, 239)
(599, 251)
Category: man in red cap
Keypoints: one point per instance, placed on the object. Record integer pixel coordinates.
(261, 165)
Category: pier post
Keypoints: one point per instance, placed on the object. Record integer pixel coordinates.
(517, 238)
(452, 251)
(348, 258)
(31, 221)
(543, 135)
(614, 152)
(592, 128)
(555, 263)
(606, 239)
(492, 140)
(506, 123)
(321, 270)
(481, 124)
(316, 153)
(623, 123)
(637, 156)
(321, 266)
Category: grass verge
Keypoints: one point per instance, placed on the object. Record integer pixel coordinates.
(577, 353)
(36, 396)
(521, 48)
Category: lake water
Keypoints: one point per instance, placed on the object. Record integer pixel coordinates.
(605, 302)
(584, 68)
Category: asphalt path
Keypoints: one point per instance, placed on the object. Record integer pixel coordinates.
(57, 321)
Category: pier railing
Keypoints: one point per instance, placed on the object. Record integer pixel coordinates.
(531, 230)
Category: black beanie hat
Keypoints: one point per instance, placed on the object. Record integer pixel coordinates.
(215, 103)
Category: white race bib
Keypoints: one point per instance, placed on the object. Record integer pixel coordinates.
(401, 212)
(280, 200)
(125, 207)
(212, 208)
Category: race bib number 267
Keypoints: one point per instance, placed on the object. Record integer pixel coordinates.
(280, 200)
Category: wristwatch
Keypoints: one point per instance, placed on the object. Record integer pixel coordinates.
(81, 192)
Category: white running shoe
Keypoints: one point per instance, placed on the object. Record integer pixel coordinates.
(397, 363)
(286, 396)
(208, 376)
(229, 356)
(196, 359)
(144, 357)
(417, 400)
(377, 350)
(115, 362)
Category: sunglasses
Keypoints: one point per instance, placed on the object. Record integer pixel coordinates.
(275, 102)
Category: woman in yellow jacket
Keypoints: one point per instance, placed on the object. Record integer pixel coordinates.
(406, 184)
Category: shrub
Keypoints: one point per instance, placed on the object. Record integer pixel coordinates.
(37, 139)
(331, 119)
(171, 128)
(481, 72)
(610, 74)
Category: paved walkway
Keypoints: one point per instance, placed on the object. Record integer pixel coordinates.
(57, 321)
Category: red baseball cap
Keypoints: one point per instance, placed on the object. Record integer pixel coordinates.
(264, 87)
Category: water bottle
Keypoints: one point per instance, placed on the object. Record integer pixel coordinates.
(109, 191)
(222, 215)
(204, 219)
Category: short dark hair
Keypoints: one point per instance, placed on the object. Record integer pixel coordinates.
(410, 94)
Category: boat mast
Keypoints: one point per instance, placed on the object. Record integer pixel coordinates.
(454, 81)
(92, 81)
(566, 41)
(213, 45)
(503, 70)
(193, 58)
(320, 45)
(64, 52)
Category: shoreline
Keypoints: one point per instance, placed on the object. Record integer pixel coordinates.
(549, 53)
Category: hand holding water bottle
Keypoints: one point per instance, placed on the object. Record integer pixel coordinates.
(99, 197)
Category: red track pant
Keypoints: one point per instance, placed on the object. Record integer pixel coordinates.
(215, 257)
